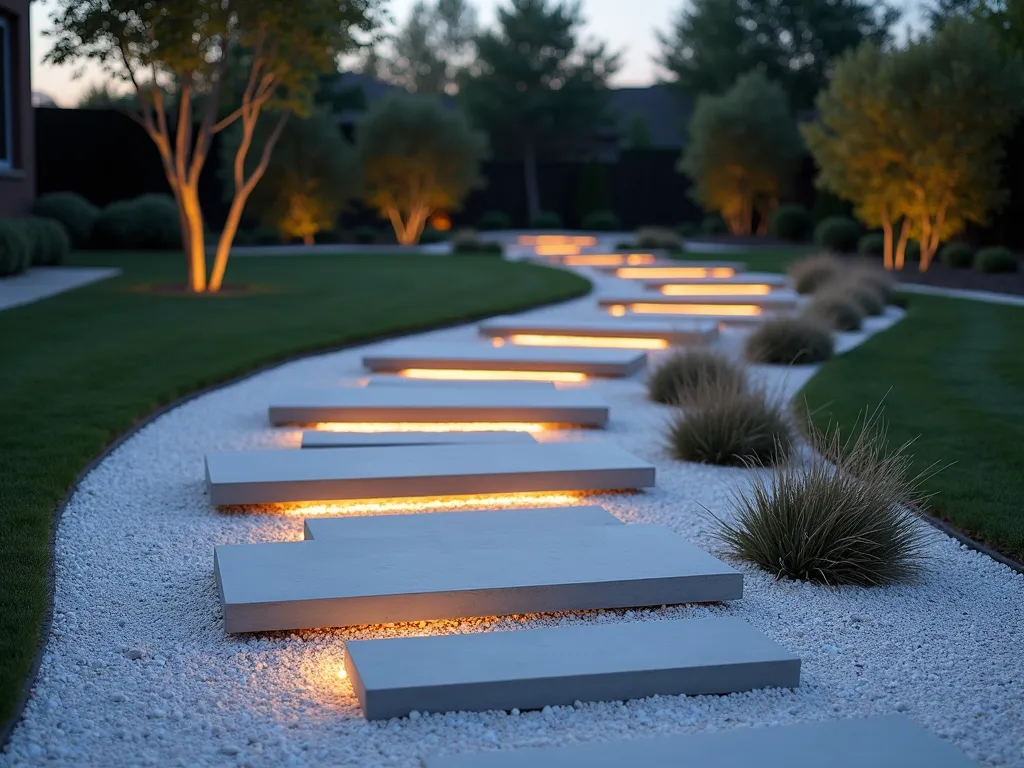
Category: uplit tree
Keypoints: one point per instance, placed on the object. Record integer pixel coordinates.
(417, 158)
(713, 42)
(310, 178)
(914, 137)
(742, 151)
(534, 85)
(272, 49)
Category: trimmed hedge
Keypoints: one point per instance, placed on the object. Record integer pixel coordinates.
(790, 222)
(713, 225)
(956, 255)
(872, 244)
(149, 222)
(466, 242)
(76, 214)
(602, 221)
(658, 238)
(15, 249)
(546, 220)
(688, 229)
(995, 260)
(495, 220)
(48, 241)
(838, 234)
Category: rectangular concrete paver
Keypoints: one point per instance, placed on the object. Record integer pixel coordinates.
(452, 403)
(476, 356)
(312, 438)
(530, 669)
(336, 474)
(891, 741)
(345, 582)
(673, 333)
(504, 522)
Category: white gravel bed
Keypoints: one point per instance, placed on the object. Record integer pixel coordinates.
(138, 670)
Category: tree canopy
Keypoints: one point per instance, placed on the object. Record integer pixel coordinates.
(417, 158)
(913, 137)
(535, 84)
(742, 151)
(713, 42)
(226, 62)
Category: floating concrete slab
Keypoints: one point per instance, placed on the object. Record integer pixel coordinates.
(650, 335)
(481, 357)
(743, 282)
(531, 669)
(317, 439)
(892, 741)
(453, 403)
(336, 474)
(501, 522)
(346, 582)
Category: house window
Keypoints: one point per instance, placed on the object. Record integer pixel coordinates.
(6, 82)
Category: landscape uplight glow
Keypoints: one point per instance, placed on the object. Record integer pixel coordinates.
(668, 273)
(458, 374)
(744, 310)
(365, 427)
(605, 342)
(378, 506)
(744, 289)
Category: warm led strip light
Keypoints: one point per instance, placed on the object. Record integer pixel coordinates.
(557, 250)
(431, 426)
(667, 273)
(688, 309)
(375, 506)
(618, 342)
(457, 374)
(606, 259)
(748, 289)
(578, 240)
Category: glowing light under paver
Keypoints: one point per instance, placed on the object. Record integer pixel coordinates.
(665, 273)
(743, 289)
(456, 374)
(539, 340)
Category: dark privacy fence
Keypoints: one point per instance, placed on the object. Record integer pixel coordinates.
(104, 155)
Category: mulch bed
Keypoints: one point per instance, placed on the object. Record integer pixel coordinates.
(965, 279)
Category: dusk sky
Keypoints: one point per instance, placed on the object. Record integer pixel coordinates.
(626, 25)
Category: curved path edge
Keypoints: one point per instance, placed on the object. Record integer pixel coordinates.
(8, 726)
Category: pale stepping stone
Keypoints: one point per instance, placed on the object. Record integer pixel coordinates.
(654, 335)
(451, 403)
(480, 357)
(353, 581)
(505, 522)
(891, 741)
(382, 472)
(531, 669)
(312, 438)
(770, 280)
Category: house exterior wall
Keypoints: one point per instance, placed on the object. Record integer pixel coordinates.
(17, 182)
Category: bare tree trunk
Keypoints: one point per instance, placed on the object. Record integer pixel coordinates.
(409, 231)
(307, 239)
(530, 177)
(887, 242)
(901, 245)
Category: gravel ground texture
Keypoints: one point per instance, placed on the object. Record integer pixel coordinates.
(138, 670)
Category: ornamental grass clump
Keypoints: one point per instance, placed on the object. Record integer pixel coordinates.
(843, 517)
(814, 272)
(789, 341)
(836, 310)
(864, 295)
(684, 373)
(878, 279)
(731, 427)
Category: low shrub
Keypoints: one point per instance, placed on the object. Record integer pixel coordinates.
(872, 244)
(602, 221)
(838, 234)
(842, 517)
(956, 255)
(546, 220)
(812, 273)
(259, 236)
(661, 238)
(15, 250)
(791, 222)
(148, 222)
(731, 427)
(688, 229)
(76, 214)
(836, 310)
(713, 225)
(789, 341)
(365, 235)
(913, 251)
(431, 235)
(683, 374)
(467, 242)
(995, 259)
(494, 220)
(48, 241)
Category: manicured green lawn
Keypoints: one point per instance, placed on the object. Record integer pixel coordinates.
(952, 373)
(81, 368)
